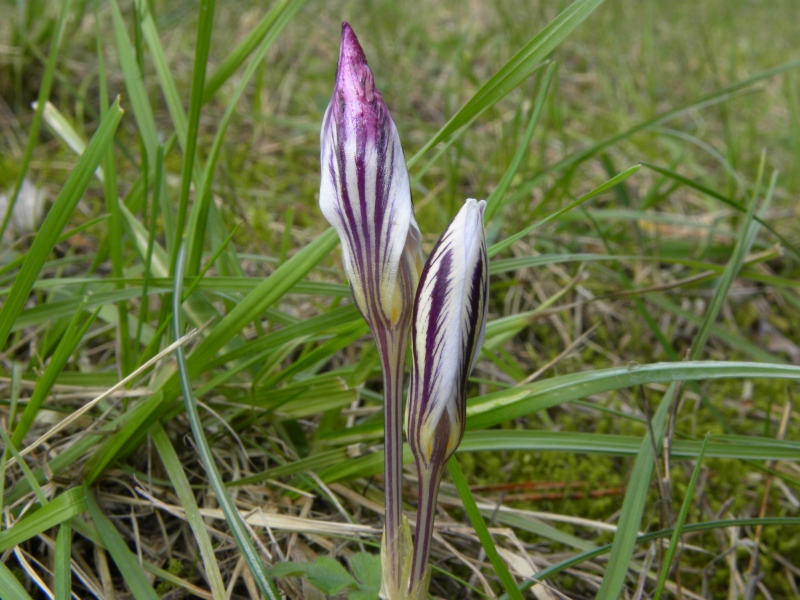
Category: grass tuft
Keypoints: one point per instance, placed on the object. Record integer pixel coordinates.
(631, 425)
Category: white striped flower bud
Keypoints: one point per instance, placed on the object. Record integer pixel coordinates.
(447, 331)
(365, 193)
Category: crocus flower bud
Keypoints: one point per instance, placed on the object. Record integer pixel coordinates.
(447, 332)
(365, 193)
(366, 196)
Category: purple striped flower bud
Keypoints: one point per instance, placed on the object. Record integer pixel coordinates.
(365, 193)
(446, 335)
(447, 332)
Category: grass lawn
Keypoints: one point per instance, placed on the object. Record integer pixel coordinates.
(632, 428)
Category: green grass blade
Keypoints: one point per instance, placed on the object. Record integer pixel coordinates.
(137, 93)
(59, 510)
(617, 179)
(750, 448)
(64, 129)
(201, 50)
(271, 24)
(504, 405)
(743, 245)
(481, 530)
(57, 219)
(33, 135)
(495, 200)
(168, 87)
(178, 478)
(517, 519)
(114, 234)
(15, 385)
(731, 339)
(676, 535)
(11, 265)
(516, 70)
(158, 182)
(63, 571)
(124, 559)
(234, 520)
(11, 585)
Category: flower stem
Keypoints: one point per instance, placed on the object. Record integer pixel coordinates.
(429, 480)
(392, 349)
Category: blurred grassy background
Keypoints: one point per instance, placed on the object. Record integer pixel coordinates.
(629, 62)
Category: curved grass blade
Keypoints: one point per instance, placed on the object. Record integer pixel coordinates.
(758, 448)
(515, 71)
(232, 516)
(512, 403)
(57, 218)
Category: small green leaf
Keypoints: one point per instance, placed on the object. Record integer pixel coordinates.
(330, 576)
(366, 569)
(326, 574)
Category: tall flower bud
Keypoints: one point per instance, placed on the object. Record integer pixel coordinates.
(365, 193)
(446, 335)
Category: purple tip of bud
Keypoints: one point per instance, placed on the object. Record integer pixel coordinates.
(355, 95)
(350, 50)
